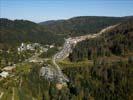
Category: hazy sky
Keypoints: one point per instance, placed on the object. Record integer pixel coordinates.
(42, 10)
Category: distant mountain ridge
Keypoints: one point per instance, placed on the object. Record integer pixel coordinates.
(13, 32)
(81, 25)
(49, 22)
(17, 31)
(115, 41)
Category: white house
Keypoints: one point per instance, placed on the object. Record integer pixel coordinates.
(30, 47)
(51, 46)
(4, 74)
(22, 47)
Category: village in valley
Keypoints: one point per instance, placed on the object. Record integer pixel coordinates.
(29, 63)
(34, 48)
(66, 49)
(34, 51)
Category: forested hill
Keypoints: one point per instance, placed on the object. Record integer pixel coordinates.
(81, 25)
(117, 41)
(13, 32)
(17, 31)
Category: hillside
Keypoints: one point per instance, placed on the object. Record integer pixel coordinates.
(92, 70)
(81, 25)
(13, 32)
(17, 31)
(117, 41)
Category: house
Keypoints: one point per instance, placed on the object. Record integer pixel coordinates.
(22, 47)
(51, 46)
(29, 46)
(4, 74)
(42, 49)
(32, 47)
(47, 46)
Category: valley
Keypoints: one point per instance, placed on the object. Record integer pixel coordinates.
(66, 49)
(71, 69)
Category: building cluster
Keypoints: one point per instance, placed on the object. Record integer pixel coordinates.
(49, 46)
(24, 47)
(33, 47)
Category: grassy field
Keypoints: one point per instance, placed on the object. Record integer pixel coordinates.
(66, 63)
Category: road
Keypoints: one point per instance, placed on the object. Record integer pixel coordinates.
(68, 46)
(2, 93)
(13, 93)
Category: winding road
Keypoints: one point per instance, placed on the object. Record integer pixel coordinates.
(68, 46)
(2, 93)
(13, 93)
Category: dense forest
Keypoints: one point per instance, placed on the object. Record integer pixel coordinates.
(117, 41)
(104, 80)
(98, 82)
(81, 25)
(17, 31)
(109, 76)
(13, 32)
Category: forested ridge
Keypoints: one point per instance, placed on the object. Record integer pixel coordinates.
(13, 32)
(117, 41)
(18, 31)
(104, 80)
(81, 25)
(98, 69)
(98, 82)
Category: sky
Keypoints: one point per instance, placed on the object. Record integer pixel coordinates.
(43, 10)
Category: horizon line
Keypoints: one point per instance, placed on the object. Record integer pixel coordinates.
(13, 19)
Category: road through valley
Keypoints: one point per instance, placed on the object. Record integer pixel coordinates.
(68, 46)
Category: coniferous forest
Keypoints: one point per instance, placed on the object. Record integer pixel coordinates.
(100, 68)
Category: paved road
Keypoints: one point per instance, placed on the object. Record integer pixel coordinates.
(68, 46)
(2, 93)
(13, 93)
